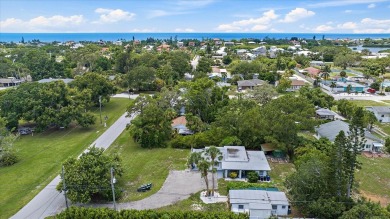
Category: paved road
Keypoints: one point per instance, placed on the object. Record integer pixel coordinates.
(49, 201)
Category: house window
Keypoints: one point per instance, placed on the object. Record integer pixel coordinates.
(283, 207)
(240, 207)
(368, 146)
(383, 116)
(274, 207)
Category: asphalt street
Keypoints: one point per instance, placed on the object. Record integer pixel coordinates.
(49, 201)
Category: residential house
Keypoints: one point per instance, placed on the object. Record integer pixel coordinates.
(313, 72)
(10, 82)
(382, 113)
(241, 51)
(249, 84)
(259, 204)
(136, 42)
(118, 43)
(163, 47)
(296, 85)
(180, 44)
(343, 87)
(217, 41)
(238, 160)
(191, 43)
(317, 64)
(331, 129)
(179, 124)
(261, 50)
(228, 44)
(323, 113)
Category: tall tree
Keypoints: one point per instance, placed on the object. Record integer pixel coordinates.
(264, 94)
(215, 155)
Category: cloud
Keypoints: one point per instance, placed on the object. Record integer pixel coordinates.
(372, 5)
(337, 3)
(113, 15)
(184, 30)
(256, 24)
(347, 25)
(297, 14)
(163, 13)
(42, 23)
(145, 30)
(348, 11)
(194, 4)
(323, 28)
(366, 25)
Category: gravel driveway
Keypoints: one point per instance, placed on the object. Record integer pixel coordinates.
(178, 186)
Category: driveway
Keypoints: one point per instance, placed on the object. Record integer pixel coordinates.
(178, 186)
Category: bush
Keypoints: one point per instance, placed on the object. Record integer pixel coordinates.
(252, 176)
(387, 89)
(8, 158)
(245, 185)
(233, 175)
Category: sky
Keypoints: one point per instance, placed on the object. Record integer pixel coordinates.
(258, 16)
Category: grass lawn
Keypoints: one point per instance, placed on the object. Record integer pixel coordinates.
(387, 101)
(279, 172)
(143, 166)
(42, 155)
(194, 203)
(385, 127)
(368, 103)
(374, 178)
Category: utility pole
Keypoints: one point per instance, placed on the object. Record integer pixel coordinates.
(100, 105)
(64, 187)
(113, 181)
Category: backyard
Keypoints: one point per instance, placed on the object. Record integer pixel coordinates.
(143, 166)
(42, 155)
(373, 179)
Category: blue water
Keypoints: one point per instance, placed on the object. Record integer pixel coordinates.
(62, 37)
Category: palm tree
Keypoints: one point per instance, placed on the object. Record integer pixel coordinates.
(224, 76)
(333, 85)
(349, 88)
(343, 74)
(194, 158)
(203, 166)
(215, 156)
(325, 75)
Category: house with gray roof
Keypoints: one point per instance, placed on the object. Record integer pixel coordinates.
(331, 129)
(259, 204)
(249, 84)
(325, 114)
(237, 159)
(10, 82)
(382, 113)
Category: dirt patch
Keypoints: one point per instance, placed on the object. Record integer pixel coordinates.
(383, 200)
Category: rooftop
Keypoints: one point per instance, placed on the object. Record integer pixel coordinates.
(257, 196)
(325, 112)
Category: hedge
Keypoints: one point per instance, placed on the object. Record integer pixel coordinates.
(100, 213)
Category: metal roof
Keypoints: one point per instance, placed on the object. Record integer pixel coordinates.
(257, 196)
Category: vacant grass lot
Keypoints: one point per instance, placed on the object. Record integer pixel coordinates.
(374, 179)
(42, 155)
(364, 103)
(143, 166)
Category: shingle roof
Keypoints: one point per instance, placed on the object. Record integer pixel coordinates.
(179, 122)
(297, 83)
(48, 80)
(250, 83)
(381, 109)
(325, 112)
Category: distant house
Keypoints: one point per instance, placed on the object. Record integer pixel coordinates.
(296, 85)
(179, 124)
(10, 82)
(118, 43)
(191, 44)
(261, 50)
(163, 47)
(331, 129)
(343, 87)
(249, 84)
(180, 44)
(238, 160)
(325, 114)
(136, 42)
(317, 64)
(48, 80)
(313, 72)
(259, 204)
(241, 51)
(228, 44)
(382, 113)
(217, 41)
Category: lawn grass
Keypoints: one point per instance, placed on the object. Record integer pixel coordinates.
(42, 155)
(279, 172)
(193, 203)
(385, 127)
(364, 103)
(374, 177)
(143, 166)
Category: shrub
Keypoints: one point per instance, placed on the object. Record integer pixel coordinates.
(233, 175)
(252, 176)
(7, 158)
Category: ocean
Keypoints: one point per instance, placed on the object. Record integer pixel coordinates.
(62, 37)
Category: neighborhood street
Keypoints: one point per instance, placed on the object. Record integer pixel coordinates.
(49, 201)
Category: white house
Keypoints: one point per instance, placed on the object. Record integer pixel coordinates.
(331, 129)
(317, 63)
(237, 159)
(261, 50)
(382, 113)
(296, 85)
(259, 204)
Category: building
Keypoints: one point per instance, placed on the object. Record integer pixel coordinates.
(180, 44)
(325, 114)
(331, 129)
(238, 160)
(296, 85)
(179, 124)
(382, 113)
(228, 44)
(317, 64)
(191, 43)
(261, 50)
(259, 204)
(249, 84)
(10, 82)
(354, 87)
(313, 72)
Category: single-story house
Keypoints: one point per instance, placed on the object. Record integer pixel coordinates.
(313, 72)
(48, 80)
(382, 113)
(179, 124)
(249, 84)
(296, 85)
(355, 87)
(241, 51)
(325, 114)
(331, 129)
(237, 159)
(10, 82)
(259, 204)
(191, 43)
(317, 63)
